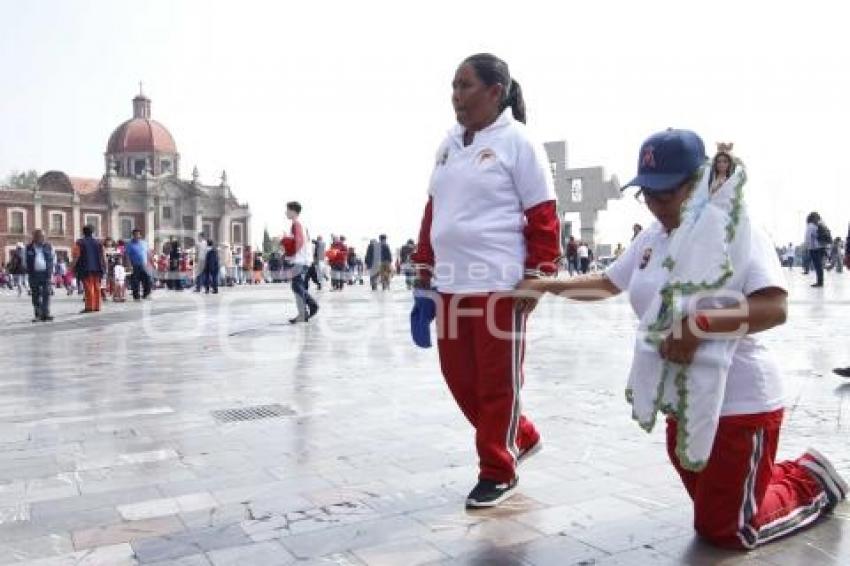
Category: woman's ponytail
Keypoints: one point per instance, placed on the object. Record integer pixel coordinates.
(516, 101)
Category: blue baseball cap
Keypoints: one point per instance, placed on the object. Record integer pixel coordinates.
(667, 159)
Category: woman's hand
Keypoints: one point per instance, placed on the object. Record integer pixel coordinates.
(529, 291)
(681, 349)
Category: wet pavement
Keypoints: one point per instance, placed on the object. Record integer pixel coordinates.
(112, 450)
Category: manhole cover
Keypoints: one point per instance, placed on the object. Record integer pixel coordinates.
(252, 413)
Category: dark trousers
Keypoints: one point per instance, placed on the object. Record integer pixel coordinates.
(313, 275)
(584, 264)
(210, 280)
(817, 261)
(303, 300)
(140, 276)
(40, 290)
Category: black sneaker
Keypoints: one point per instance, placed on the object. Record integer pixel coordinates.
(820, 467)
(489, 493)
(313, 310)
(843, 372)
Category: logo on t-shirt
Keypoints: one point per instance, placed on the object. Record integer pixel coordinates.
(485, 155)
(441, 160)
(644, 261)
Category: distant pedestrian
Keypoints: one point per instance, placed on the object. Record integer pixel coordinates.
(119, 283)
(583, 257)
(200, 256)
(90, 266)
(211, 268)
(836, 255)
(138, 256)
(818, 239)
(39, 264)
(297, 250)
(406, 262)
(572, 256)
(18, 269)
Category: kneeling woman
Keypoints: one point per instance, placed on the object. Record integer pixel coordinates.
(703, 282)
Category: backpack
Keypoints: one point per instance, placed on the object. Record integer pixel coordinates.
(823, 235)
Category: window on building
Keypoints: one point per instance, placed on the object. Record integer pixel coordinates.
(126, 227)
(139, 166)
(576, 190)
(553, 167)
(188, 223)
(165, 166)
(94, 220)
(57, 224)
(207, 229)
(16, 222)
(166, 213)
(237, 234)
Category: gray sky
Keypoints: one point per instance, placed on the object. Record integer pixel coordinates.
(341, 105)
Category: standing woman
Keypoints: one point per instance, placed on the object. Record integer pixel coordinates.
(490, 221)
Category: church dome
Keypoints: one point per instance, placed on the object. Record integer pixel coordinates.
(141, 133)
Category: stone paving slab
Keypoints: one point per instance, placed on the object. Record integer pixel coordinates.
(109, 453)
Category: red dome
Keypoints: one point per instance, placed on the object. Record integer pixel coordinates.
(141, 135)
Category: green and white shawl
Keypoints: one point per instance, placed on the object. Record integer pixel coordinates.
(706, 260)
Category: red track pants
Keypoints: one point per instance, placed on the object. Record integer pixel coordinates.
(743, 498)
(481, 341)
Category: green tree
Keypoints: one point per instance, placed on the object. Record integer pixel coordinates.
(22, 179)
(268, 245)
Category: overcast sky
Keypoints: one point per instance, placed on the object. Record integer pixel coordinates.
(341, 105)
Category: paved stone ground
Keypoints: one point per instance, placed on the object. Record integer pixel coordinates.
(109, 453)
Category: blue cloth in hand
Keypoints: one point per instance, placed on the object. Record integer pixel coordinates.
(424, 311)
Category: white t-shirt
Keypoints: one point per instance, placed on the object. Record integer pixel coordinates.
(583, 252)
(119, 274)
(754, 384)
(480, 194)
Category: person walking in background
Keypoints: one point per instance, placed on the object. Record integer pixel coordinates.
(211, 268)
(138, 257)
(572, 256)
(17, 269)
(119, 284)
(385, 265)
(174, 254)
(200, 256)
(297, 250)
(789, 256)
(227, 262)
(818, 239)
(90, 266)
(372, 261)
(338, 261)
(316, 273)
(583, 253)
(39, 264)
(836, 255)
(406, 263)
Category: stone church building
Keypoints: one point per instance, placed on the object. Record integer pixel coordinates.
(140, 188)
